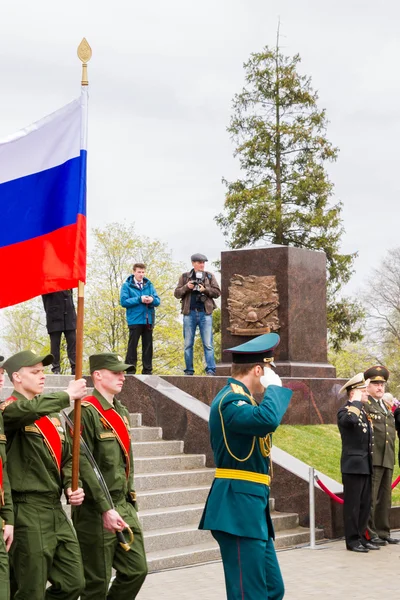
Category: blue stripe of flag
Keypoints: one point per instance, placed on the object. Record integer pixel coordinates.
(38, 204)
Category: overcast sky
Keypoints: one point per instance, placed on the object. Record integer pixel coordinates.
(162, 78)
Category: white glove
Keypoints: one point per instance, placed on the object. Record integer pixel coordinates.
(270, 378)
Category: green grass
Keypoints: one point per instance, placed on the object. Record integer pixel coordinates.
(319, 446)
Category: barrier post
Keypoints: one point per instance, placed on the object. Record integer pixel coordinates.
(312, 507)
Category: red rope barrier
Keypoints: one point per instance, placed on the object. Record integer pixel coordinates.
(396, 482)
(330, 494)
(340, 500)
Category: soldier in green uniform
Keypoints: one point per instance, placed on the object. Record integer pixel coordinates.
(6, 508)
(384, 435)
(45, 547)
(106, 431)
(237, 508)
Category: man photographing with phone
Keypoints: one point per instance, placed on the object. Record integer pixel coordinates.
(139, 297)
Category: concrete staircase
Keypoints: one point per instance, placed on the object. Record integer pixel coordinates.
(172, 488)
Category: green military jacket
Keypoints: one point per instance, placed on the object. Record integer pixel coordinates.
(383, 434)
(239, 434)
(31, 467)
(108, 455)
(6, 509)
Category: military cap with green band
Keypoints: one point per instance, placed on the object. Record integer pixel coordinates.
(26, 358)
(109, 361)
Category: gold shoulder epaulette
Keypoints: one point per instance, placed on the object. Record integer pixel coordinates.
(6, 403)
(237, 389)
(83, 403)
(355, 410)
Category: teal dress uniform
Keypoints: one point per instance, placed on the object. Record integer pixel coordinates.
(237, 508)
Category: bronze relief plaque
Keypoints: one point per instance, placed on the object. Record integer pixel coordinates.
(253, 305)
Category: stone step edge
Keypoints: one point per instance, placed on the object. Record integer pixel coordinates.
(193, 527)
(201, 471)
(196, 506)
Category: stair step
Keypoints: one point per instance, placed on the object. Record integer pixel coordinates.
(295, 537)
(173, 479)
(156, 448)
(174, 516)
(283, 521)
(172, 537)
(169, 463)
(164, 498)
(146, 434)
(135, 419)
(208, 551)
(183, 556)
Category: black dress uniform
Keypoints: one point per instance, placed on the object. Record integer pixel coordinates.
(356, 467)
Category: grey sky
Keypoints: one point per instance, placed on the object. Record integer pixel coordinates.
(162, 78)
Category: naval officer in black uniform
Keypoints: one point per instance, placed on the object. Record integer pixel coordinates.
(356, 464)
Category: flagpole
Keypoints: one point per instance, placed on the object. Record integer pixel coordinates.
(84, 54)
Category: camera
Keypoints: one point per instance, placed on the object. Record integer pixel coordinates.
(200, 277)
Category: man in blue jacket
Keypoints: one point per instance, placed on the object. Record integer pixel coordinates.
(237, 508)
(139, 297)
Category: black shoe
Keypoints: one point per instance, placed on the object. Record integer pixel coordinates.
(56, 372)
(358, 548)
(378, 541)
(371, 546)
(391, 540)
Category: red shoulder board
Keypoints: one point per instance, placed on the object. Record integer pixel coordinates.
(118, 426)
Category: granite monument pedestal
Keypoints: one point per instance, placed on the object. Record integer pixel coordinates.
(286, 289)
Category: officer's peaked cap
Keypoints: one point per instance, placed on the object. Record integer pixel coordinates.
(378, 373)
(259, 350)
(355, 382)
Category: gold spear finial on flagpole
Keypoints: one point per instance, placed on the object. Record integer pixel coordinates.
(84, 54)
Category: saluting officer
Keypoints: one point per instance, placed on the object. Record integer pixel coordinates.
(106, 431)
(45, 548)
(237, 508)
(356, 464)
(6, 507)
(383, 456)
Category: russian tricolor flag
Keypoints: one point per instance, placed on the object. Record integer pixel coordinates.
(43, 205)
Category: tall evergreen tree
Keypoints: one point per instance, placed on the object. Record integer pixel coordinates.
(283, 196)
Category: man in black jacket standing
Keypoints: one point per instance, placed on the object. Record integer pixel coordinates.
(61, 319)
(356, 464)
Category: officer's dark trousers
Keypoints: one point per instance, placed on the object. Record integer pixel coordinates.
(379, 524)
(45, 549)
(146, 333)
(101, 553)
(356, 508)
(4, 571)
(251, 568)
(55, 341)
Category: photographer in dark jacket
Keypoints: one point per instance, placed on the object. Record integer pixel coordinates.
(197, 289)
(61, 319)
(356, 464)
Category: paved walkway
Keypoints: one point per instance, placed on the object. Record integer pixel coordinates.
(330, 571)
